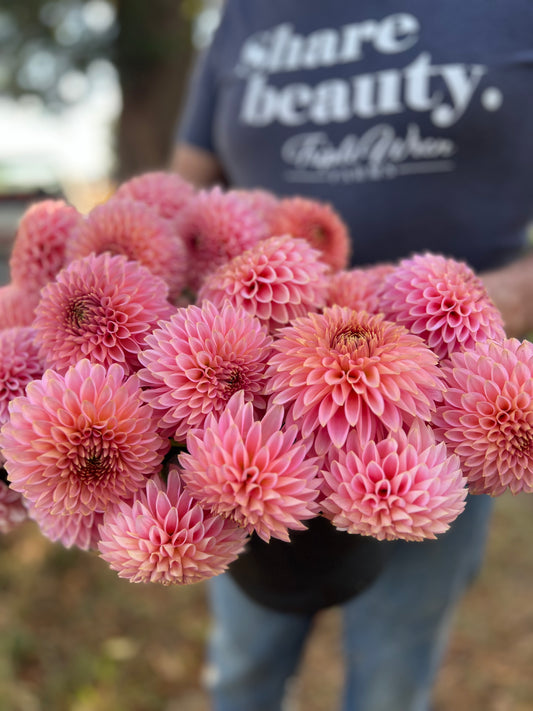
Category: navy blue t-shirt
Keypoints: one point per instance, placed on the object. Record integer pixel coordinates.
(413, 118)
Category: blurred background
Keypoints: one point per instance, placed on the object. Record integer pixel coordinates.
(89, 96)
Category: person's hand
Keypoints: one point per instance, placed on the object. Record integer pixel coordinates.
(511, 289)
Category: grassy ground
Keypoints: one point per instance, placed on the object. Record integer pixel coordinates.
(73, 637)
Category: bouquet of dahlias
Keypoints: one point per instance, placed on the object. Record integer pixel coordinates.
(182, 368)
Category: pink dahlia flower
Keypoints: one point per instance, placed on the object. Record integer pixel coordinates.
(39, 248)
(360, 289)
(196, 361)
(346, 368)
(133, 229)
(276, 280)
(262, 202)
(402, 486)
(12, 509)
(167, 192)
(78, 530)
(20, 363)
(17, 306)
(443, 302)
(486, 417)
(75, 444)
(101, 308)
(217, 226)
(252, 471)
(316, 222)
(165, 536)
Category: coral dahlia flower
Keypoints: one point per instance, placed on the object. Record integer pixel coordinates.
(165, 536)
(252, 471)
(78, 530)
(196, 361)
(75, 444)
(101, 307)
(346, 368)
(404, 485)
(17, 306)
(217, 226)
(12, 509)
(20, 363)
(133, 229)
(276, 280)
(360, 289)
(167, 192)
(316, 222)
(39, 249)
(443, 302)
(486, 417)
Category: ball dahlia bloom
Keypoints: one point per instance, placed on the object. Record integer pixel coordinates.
(101, 307)
(13, 512)
(252, 471)
(165, 536)
(198, 359)
(39, 248)
(76, 443)
(71, 530)
(346, 368)
(217, 226)
(443, 302)
(316, 222)
(135, 230)
(486, 416)
(17, 306)
(276, 280)
(262, 202)
(404, 485)
(20, 363)
(360, 289)
(166, 192)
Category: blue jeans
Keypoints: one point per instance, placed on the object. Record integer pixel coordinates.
(395, 632)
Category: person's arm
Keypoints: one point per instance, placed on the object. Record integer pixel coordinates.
(511, 289)
(197, 165)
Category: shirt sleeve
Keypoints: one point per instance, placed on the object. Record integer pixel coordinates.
(195, 125)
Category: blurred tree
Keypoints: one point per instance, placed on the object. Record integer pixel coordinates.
(153, 54)
(54, 48)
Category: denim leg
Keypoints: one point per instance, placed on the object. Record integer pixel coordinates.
(396, 631)
(253, 650)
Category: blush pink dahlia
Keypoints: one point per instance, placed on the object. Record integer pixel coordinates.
(165, 536)
(79, 442)
(345, 368)
(70, 530)
(316, 222)
(262, 202)
(443, 302)
(39, 249)
(20, 363)
(402, 486)
(360, 289)
(276, 280)
(252, 471)
(167, 192)
(196, 361)
(486, 417)
(101, 308)
(133, 229)
(217, 226)
(12, 509)
(17, 306)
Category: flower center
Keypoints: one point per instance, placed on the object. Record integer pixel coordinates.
(233, 381)
(94, 467)
(350, 338)
(80, 310)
